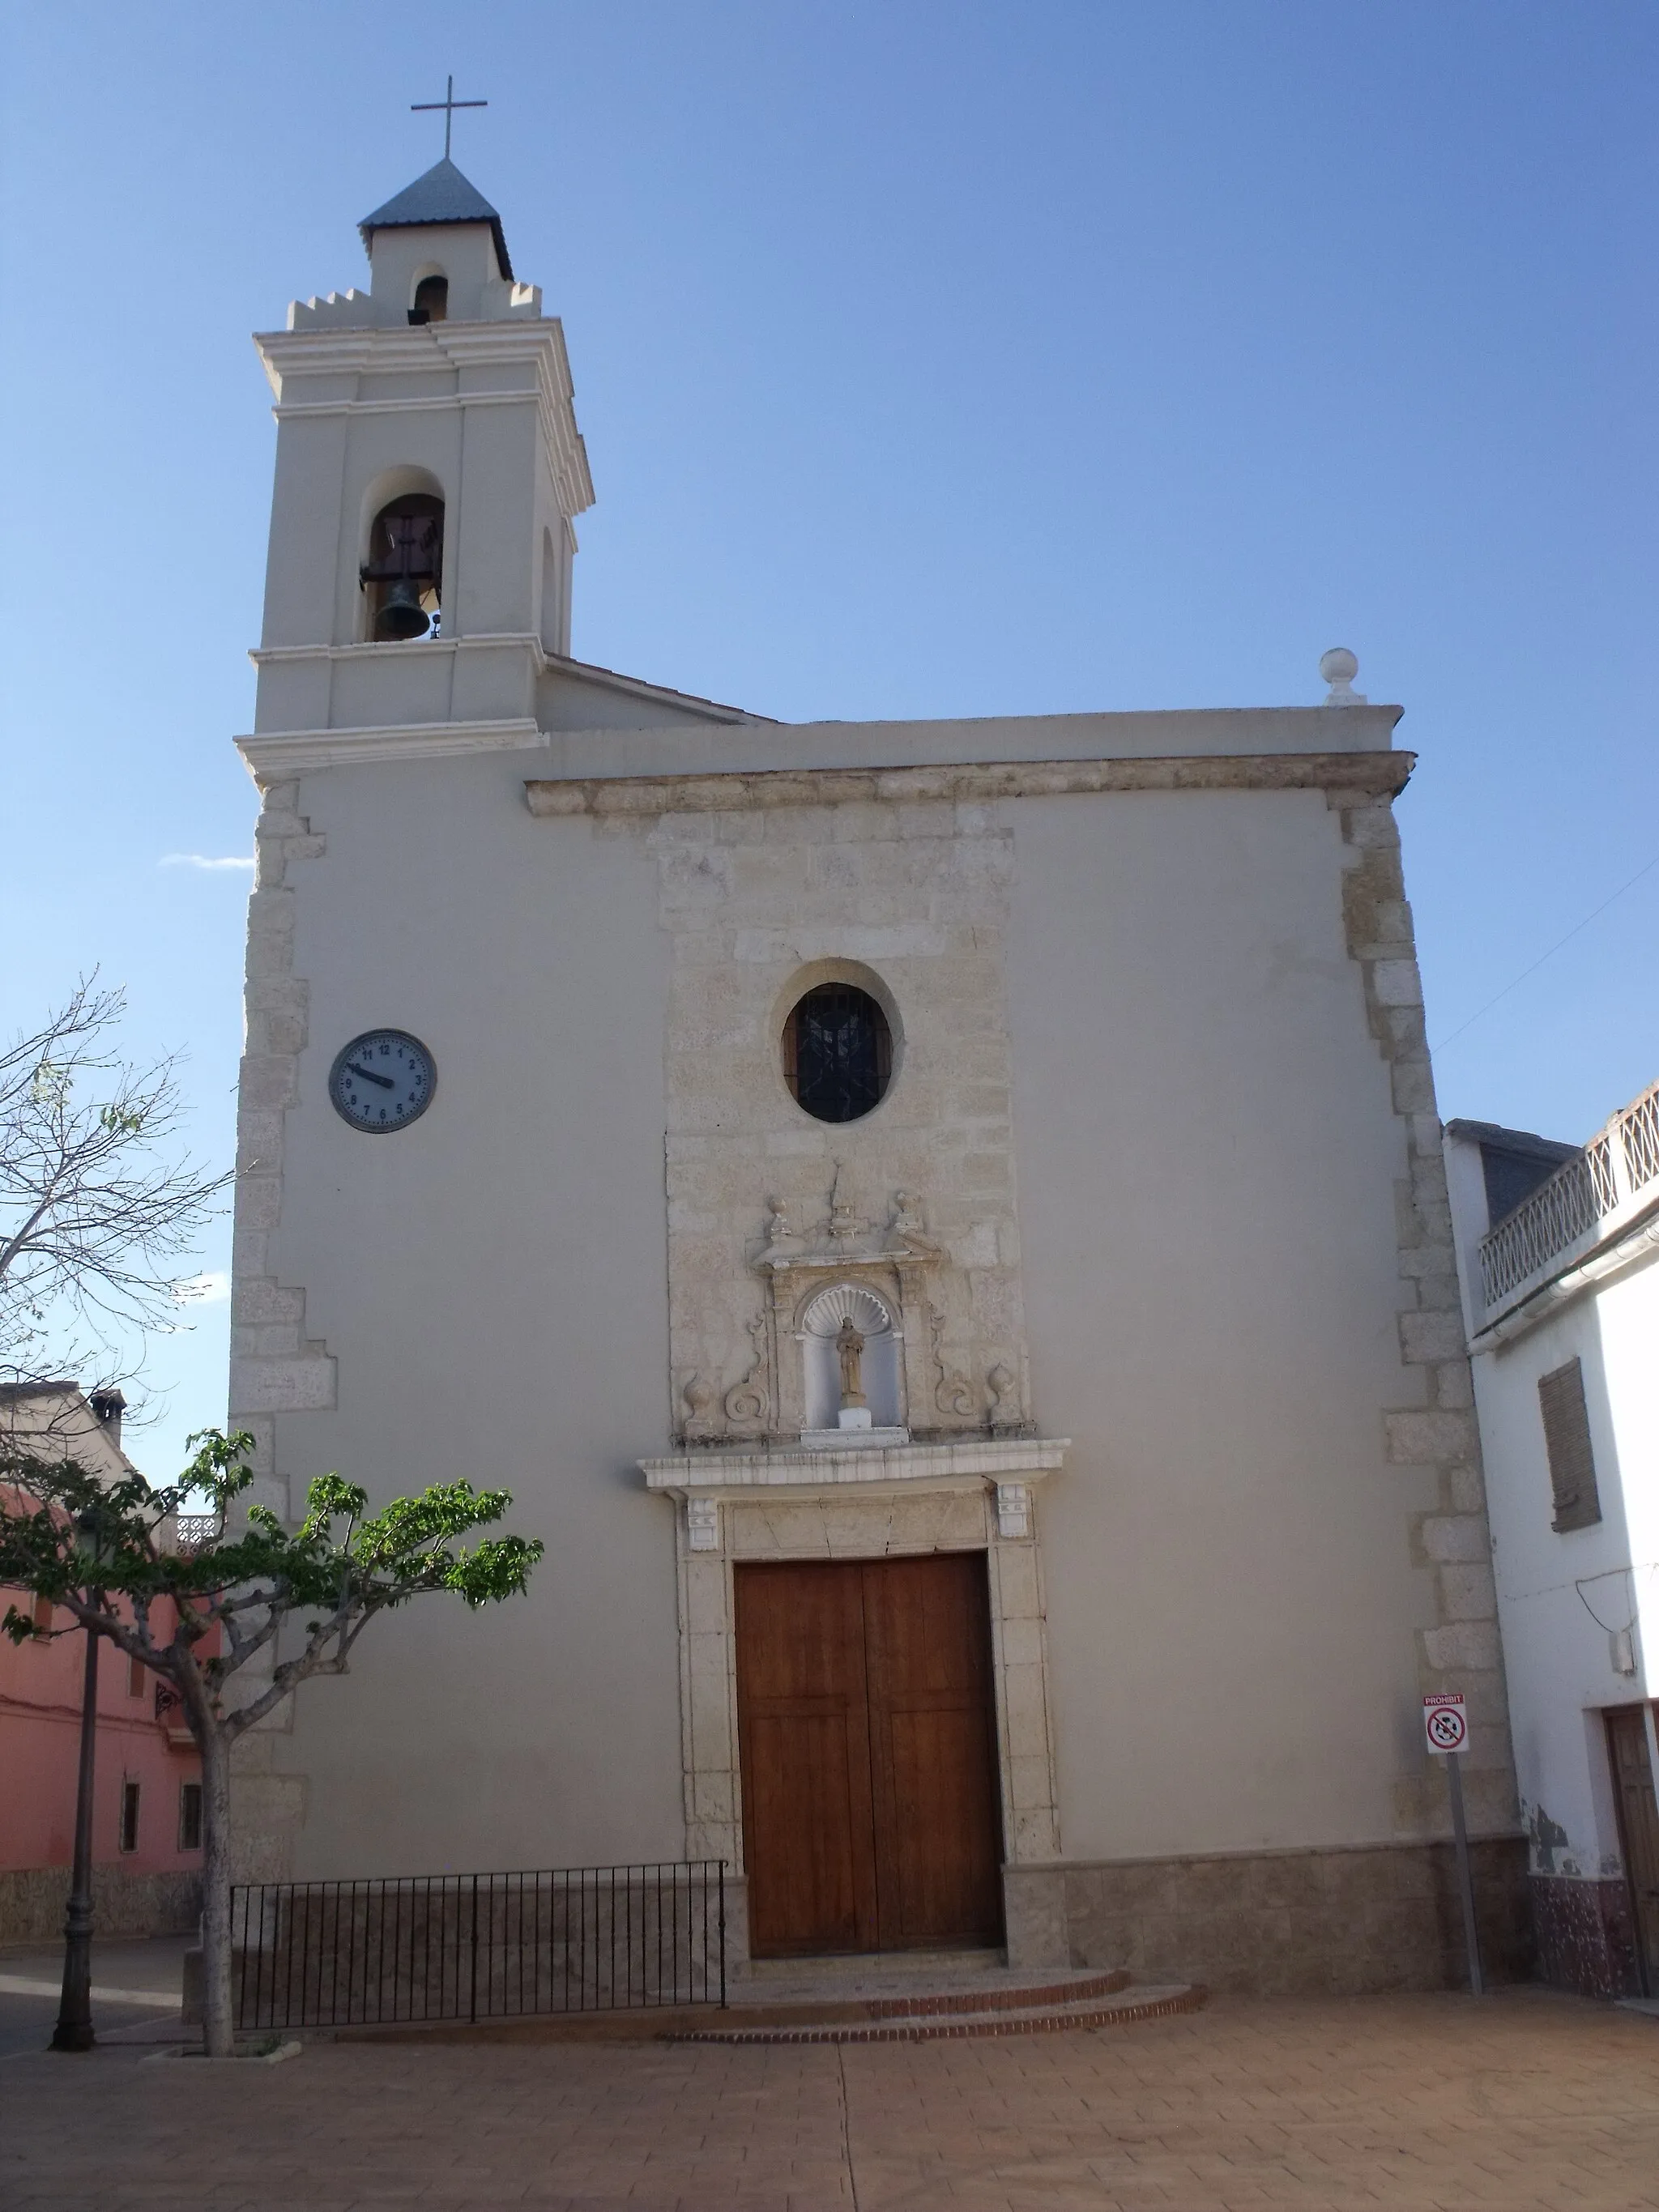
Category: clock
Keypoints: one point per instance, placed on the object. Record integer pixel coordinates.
(382, 1081)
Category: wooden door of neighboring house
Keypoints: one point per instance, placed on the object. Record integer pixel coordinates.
(866, 1737)
(1639, 1832)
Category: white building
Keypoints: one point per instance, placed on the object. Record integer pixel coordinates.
(1557, 1249)
(608, 1048)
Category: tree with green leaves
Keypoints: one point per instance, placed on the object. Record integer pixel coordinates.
(297, 1599)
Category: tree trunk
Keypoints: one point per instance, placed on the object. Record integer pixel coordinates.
(218, 2023)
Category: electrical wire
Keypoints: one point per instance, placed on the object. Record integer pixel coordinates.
(1550, 955)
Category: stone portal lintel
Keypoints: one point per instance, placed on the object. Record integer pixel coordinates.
(967, 1462)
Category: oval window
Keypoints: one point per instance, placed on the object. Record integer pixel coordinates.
(837, 1053)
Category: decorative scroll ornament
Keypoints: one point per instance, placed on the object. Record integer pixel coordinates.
(953, 1394)
(745, 1401)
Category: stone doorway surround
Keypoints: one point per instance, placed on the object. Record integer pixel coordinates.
(963, 1493)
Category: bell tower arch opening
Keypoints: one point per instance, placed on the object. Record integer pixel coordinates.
(430, 303)
(400, 575)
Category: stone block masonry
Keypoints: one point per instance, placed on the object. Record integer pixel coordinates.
(1434, 1428)
(922, 898)
(1289, 1924)
(274, 1366)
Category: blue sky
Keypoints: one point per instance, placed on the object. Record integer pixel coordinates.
(933, 359)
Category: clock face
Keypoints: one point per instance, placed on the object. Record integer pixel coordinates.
(383, 1080)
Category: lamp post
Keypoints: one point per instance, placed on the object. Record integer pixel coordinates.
(74, 2028)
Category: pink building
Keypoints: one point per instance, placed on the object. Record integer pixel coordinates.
(147, 1824)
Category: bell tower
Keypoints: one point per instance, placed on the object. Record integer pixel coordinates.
(428, 475)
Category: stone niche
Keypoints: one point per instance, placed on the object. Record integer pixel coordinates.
(893, 1284)
(880, 1340)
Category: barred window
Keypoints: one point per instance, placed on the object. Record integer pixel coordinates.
(190, 1816)
(1567, 1442)
(837, 1053)
(128, 1816)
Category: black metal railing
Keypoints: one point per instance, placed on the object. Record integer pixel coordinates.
(478, 1946)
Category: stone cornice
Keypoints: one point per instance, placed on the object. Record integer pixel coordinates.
(274, 753)
(457, 347)
(392, 649)
(969, 1460)
(1372, 774)
(331, 350)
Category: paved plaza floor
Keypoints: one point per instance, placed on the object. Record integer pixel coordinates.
(1528, 2100)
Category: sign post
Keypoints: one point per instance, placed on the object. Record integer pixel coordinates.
(1446, 1728)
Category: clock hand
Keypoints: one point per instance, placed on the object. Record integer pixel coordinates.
(370, 1076)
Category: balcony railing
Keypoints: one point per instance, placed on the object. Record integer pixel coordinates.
(1617, 1172)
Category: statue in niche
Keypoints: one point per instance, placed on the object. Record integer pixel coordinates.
(850, 1350)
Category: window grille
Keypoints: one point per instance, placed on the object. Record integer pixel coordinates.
(128, 1816)
(190, 1816)
(837, 1053)
(1567, 1443)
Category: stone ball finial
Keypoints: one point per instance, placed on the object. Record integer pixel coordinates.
(1339, 667)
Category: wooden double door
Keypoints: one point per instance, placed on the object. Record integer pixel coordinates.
(867, 1737)
(1639, 1832)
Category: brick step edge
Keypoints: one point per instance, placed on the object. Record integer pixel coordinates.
(925, 2004)
(1154, 2004)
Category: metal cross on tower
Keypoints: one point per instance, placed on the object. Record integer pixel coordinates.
(449, 104)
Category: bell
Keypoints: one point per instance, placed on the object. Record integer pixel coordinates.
(402, 616)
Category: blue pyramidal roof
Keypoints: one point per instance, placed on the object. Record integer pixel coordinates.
(442, 195)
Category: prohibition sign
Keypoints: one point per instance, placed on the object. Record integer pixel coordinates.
(1444, 1722)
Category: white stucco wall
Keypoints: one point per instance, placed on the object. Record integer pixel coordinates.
(1206, 1160)
(1559, 1596)
(1206, 1154)
(490, 1283)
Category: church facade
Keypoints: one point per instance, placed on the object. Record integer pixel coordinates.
(940, 1225)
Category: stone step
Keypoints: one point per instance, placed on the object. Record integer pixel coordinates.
(899, 1967)
(824, 2004)
(1146, 2001)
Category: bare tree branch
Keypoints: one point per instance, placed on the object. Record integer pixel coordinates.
(97, 1207)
